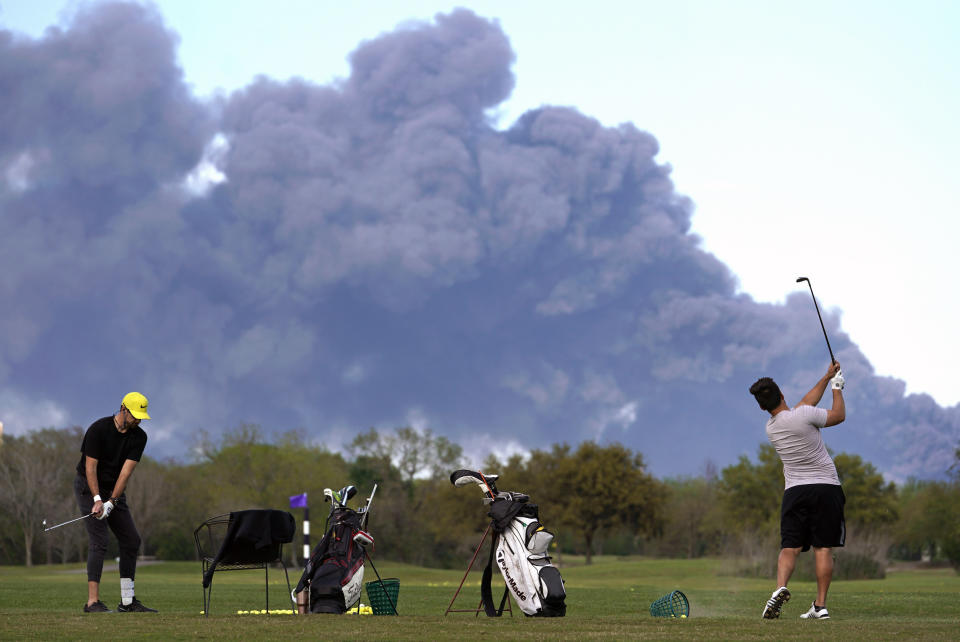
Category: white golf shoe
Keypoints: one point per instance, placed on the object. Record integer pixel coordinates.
(772, 609)
(814, 614)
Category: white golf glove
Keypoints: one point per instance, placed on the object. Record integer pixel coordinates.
(107, 507)
(837, 381)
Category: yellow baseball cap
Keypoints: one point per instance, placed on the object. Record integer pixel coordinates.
(136, 403)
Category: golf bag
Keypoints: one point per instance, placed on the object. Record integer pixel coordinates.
(519, 550)
(334, 572)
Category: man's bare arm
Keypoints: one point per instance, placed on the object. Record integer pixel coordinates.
(838, 412)
(813, 397)
(90, 468)
(125, 473)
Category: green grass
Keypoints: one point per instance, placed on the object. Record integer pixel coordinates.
(609, 599)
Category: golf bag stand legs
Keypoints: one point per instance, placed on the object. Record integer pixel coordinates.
(505, 602)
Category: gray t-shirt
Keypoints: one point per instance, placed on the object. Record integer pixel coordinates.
(795, 433)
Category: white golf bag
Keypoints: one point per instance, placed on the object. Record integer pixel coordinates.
(519, 550)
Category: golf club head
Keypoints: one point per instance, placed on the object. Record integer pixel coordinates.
(800, 279)
(509, 496)
(327, 495)
(464, 477)
(363, 538)
(348, 492)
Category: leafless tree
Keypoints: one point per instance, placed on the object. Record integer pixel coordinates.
(28, 481)
(146, 492)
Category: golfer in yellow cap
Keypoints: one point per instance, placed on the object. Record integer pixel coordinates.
(111, 448)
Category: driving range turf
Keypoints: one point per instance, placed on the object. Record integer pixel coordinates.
(609, 599)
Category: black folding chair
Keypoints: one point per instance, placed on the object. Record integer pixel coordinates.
(243, 540)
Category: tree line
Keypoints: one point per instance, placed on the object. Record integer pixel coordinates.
(597, 499)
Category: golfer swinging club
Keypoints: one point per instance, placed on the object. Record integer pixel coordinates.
(111, 448)
(812, 509)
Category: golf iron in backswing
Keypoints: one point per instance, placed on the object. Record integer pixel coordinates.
(800, 280)
(838, 381)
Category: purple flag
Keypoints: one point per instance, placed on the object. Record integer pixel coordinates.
(298, 501)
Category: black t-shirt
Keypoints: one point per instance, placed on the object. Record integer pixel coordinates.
(111, 448)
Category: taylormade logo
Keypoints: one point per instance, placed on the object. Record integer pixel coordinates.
(502, 562)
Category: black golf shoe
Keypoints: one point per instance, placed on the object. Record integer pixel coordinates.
(96, 607)
(134, 607)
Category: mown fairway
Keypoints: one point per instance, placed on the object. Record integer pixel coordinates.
(607, 600)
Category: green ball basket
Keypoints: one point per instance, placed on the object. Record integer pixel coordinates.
(673, 604)
(378, 599)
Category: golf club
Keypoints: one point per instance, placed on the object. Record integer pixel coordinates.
(363, 540)
(366, 509)
(328, 497)
(64, 523)
(803, 278)
(486, 483)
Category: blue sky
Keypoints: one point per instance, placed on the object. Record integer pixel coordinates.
(838, 116)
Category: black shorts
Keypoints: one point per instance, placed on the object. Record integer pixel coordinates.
(812, 515)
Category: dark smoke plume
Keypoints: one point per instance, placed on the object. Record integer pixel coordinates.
(379, 253)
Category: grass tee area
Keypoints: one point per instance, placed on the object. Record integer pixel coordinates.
(609, 599)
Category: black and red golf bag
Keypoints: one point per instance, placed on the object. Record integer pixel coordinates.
(334, 572)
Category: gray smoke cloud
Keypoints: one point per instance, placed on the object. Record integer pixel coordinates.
(379, 253)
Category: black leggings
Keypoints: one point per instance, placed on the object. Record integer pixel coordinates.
(120, 522)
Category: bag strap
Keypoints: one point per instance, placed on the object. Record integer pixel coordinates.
(503, 600)
(485, 593)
